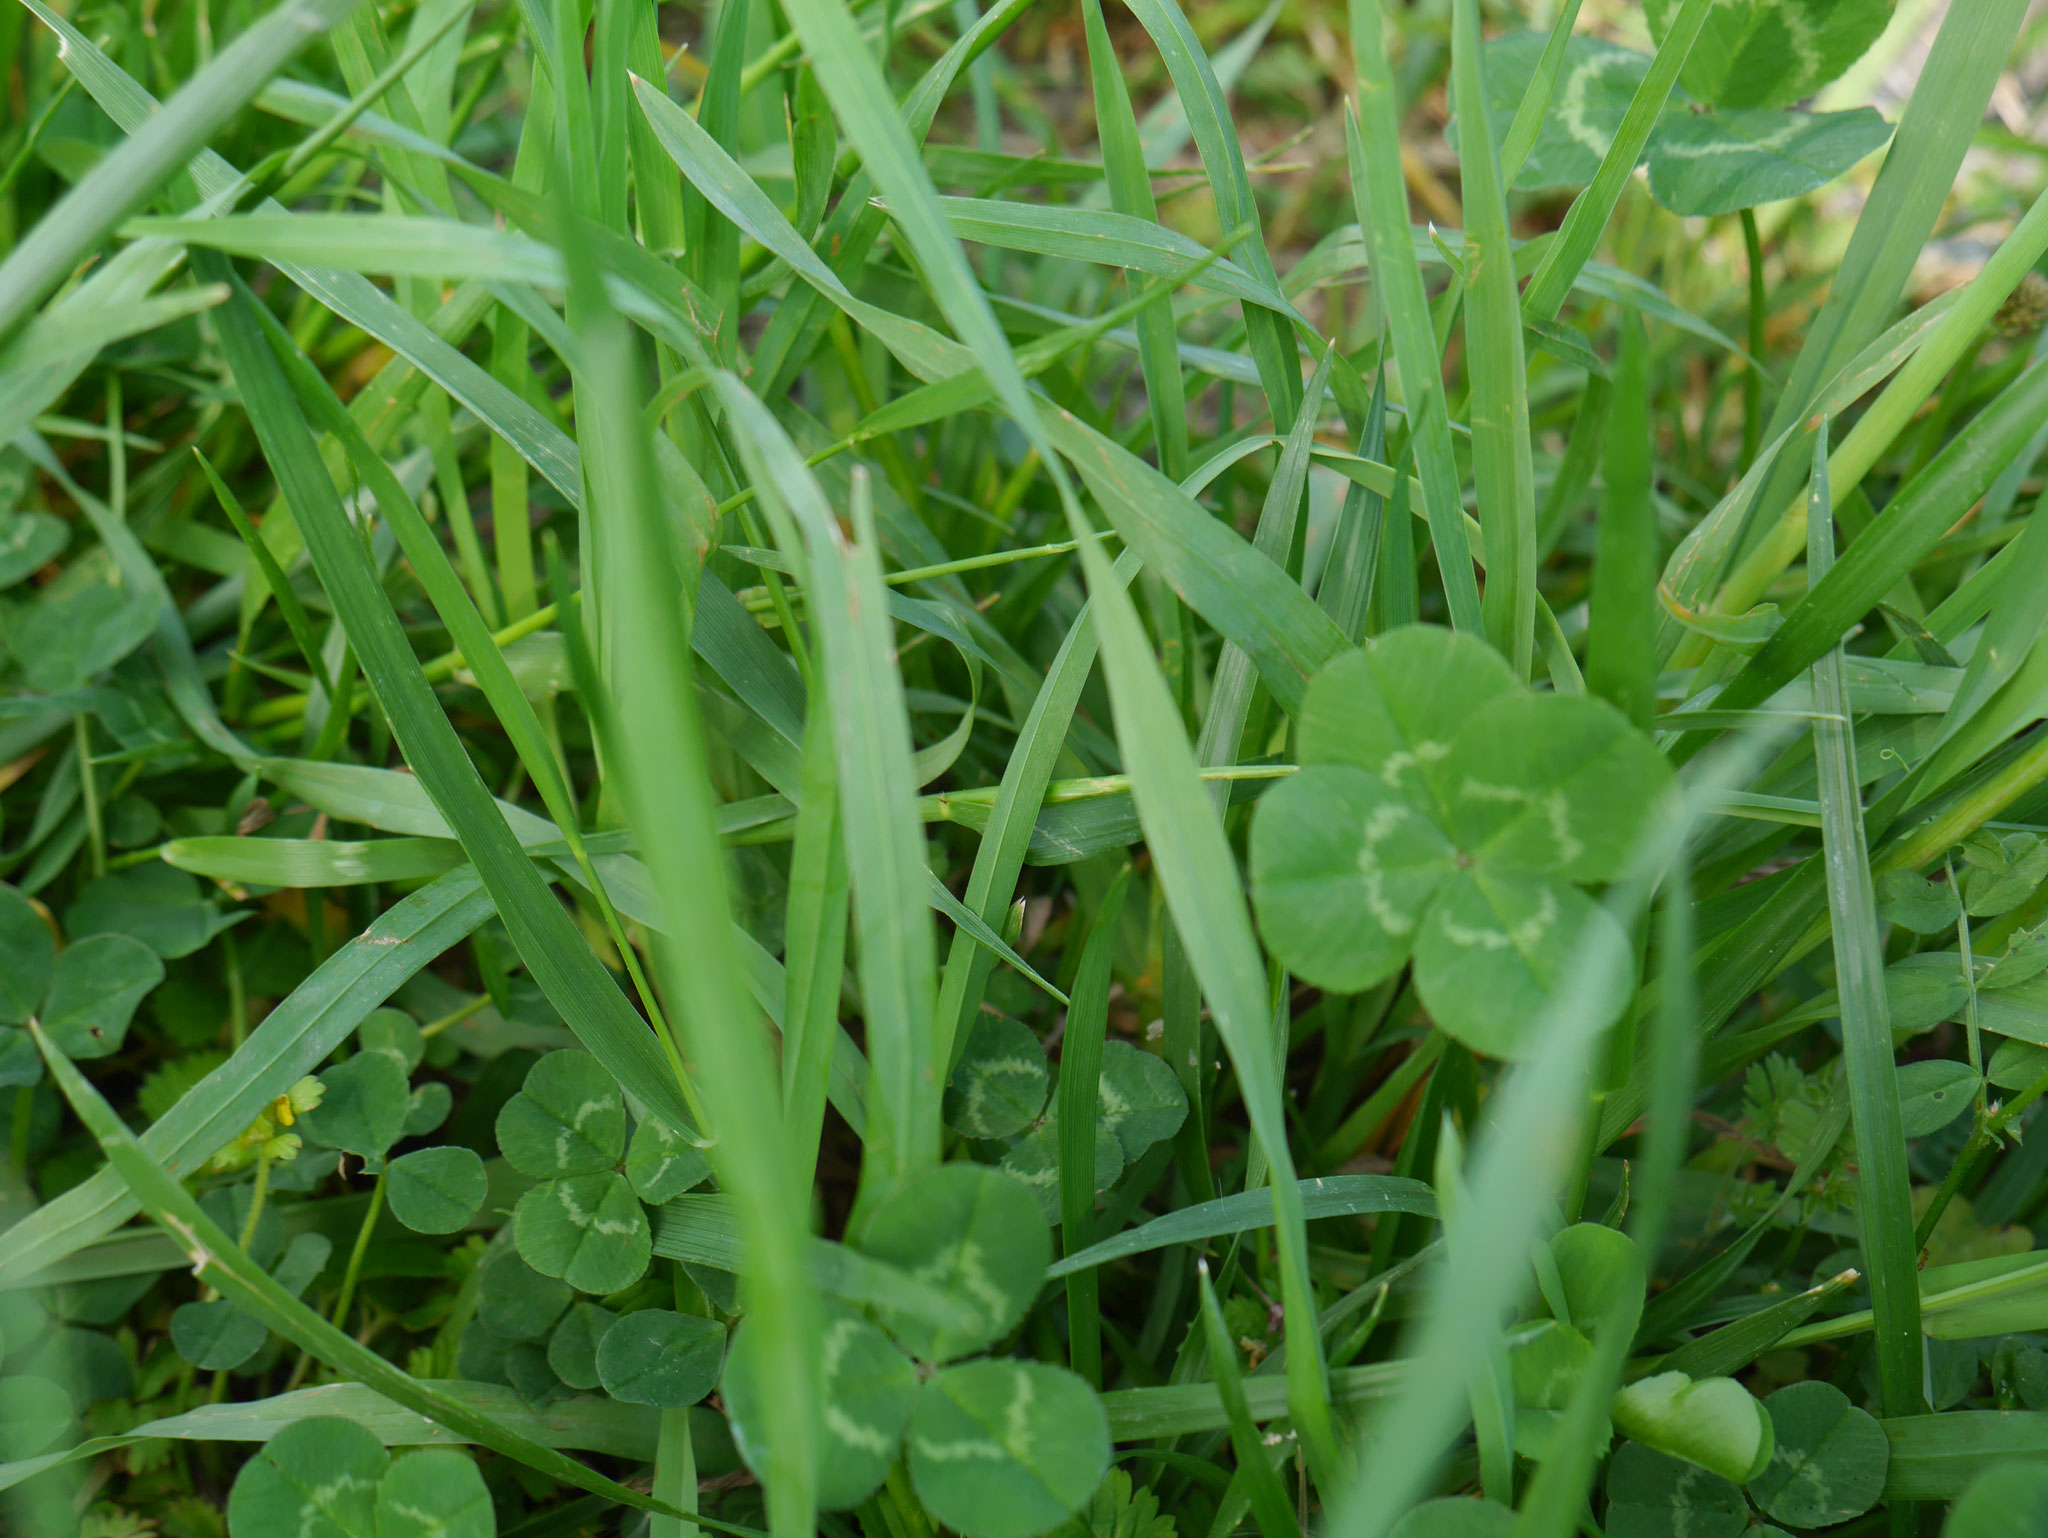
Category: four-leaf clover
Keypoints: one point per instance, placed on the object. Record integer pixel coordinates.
(1444, 812)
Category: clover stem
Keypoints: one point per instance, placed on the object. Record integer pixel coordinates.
(355, 1256)
(256, 1198)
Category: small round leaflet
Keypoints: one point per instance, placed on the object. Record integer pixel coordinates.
(436, 1190)
(589, 1230)
(317, 1478)
(974, 1231)
(567, 1119)
(1829, 1459)
(655, 1357)
(1006, 1449)
(436, 1492)
(1652, 1496)
(869, 1391)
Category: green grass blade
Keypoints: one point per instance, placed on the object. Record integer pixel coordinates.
(1130, 192)
(1230, 693)
(126, 178)
(1621, 665)
(1198, 875)
(669, 793)
(1572, 247)
(1254, 1464)
(1912, 523)
(302, 862)
(1891, 1257)
(1208, 119)
(486, 664)
(814, 947)
(1352, 570)
(559, 959)
(1535, 104)
(999, 860)
(1380, 192)
(877, 786)
(295, 617)
(1080, 1109)
(1959, 328)
(1330, 1196)
(1912, 187)
(2012, 626)
(1501, 463)
(1250, 600)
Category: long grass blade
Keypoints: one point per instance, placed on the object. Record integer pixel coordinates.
(668, 790)
(1379, 191)
(1891, 1257)
(1501, 461)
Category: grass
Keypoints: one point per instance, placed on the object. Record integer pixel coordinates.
(888, 769)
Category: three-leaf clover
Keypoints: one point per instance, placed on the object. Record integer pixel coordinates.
(1445, 813)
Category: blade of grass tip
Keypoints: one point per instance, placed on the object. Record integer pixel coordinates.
(125, 179)
(672, 807)
(1572, 247)
(296, 620)
(1907, 198)
(1890, 1257)
(1535, 103)
(1501, 464)
(885, 848)
(1621, 649)
(557, 956)
(1379, 191)
(814, 948)
(1130, 192)
(472, 636)
(218, 1261)
(1080, 1109)
(1270, 1506)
